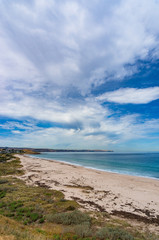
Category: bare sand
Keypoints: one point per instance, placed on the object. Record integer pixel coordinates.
(124, 195)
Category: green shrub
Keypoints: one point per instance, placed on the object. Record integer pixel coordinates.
(113, 234)
(34, 216)
(14, 205)
(83, 230)
(2, 193)
(3, 158)
(75, 237)
(2, 204)
(69, 218)
(7, 189)
(63, 200)
(23, 210)
(3, 181)
(41, 220)
(70, 208)
(57, 237)
(9, 214)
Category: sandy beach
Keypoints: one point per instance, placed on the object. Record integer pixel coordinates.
(121, 195)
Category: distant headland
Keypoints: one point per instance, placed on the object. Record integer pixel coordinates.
(39, 150)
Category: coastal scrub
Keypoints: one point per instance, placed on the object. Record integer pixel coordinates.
(40, 213)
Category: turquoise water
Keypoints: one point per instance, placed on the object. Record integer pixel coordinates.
(136, 164)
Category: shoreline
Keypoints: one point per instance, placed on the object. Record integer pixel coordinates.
(91, 168)
(121, 195)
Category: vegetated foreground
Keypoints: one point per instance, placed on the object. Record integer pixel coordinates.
(38, 213)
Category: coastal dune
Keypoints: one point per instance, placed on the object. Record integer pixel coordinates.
(117, 194)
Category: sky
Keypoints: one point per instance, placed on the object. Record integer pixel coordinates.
(79, 74)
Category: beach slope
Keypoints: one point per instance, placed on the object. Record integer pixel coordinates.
(123, 195)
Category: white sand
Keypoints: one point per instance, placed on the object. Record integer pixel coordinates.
(106, 191)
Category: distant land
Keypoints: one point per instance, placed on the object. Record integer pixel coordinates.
(39, 150)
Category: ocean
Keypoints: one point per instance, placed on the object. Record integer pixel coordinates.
(135, 164)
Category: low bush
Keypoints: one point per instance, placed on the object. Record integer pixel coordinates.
(11, 167)
(34, 216)
(57, 237)
(3, 181)
(113, 234)
(3, 158)
(2, 204)
(69, 218)
(83, 230)
(70, 208)
(2, 193)
(42, 220)
(17, 211)
(14, 205)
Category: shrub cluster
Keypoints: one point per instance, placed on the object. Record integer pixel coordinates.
(69, 218)
(113, 234)
(16, 210)
(83, 230)
(11, 167)
(3, 181)
(5, 157)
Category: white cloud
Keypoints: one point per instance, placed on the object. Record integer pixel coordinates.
(26, 125)
(131, 95)
(108, 134)
(83, 112)
(72, 43)
(51, 49)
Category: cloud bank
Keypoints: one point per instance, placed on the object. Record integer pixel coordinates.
(131, 95)
(56, 55)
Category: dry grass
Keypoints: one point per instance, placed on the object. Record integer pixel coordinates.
(11, 230)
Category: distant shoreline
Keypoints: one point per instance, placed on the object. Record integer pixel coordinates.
(38, 150)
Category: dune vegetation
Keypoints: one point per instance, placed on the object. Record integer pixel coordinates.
(39, 213)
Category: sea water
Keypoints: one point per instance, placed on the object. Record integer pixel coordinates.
(136, 164)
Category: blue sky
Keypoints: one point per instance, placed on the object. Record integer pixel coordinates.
(75, 74)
